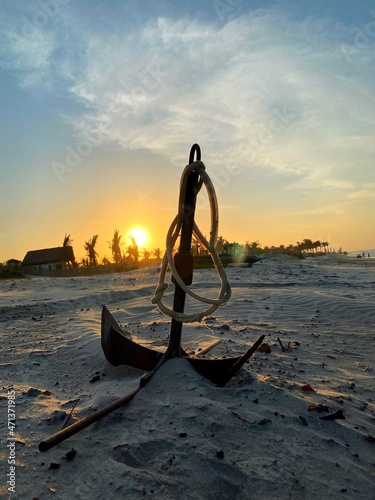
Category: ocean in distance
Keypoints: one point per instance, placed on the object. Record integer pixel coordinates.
(370, 252)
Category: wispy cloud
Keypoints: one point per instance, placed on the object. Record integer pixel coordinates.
(28, 53)
(257, 95)
(364, 193)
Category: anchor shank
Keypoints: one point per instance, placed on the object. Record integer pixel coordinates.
(184, 261)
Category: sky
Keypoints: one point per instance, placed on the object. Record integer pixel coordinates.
(101, 101)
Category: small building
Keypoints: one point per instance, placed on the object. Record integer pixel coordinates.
(49, 261)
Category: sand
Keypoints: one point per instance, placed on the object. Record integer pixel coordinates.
(181, 436)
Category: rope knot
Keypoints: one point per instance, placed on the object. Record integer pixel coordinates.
(172, 235)
(159, 292)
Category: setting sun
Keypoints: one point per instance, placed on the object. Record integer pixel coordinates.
(140, 235)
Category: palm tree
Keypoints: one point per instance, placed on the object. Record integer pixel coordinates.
(146, 253)
(92, 254)
(157, 253)
(133, 249)
(67, 241)
(252, 247)
(70, 261)
(220, 244)
(317, 244)
(308, 244)
(115, 246)
(84, 262)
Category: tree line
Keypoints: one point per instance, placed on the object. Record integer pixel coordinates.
(223, 246)
(132, 254)
(306, 245)
(120, 255)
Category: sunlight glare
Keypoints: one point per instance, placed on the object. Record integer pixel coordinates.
(140, 235)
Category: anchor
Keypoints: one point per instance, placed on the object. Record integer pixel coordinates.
(120, 349)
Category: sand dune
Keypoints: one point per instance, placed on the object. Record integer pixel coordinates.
(182, 437)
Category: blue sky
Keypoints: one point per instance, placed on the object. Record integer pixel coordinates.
(101, 101)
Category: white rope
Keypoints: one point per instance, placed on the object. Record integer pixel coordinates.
(172, 235)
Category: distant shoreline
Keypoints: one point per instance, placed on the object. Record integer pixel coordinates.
(370, 251)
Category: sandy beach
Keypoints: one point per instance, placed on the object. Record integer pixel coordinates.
(261, 437)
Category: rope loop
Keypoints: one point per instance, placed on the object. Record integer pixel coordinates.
(209, 245)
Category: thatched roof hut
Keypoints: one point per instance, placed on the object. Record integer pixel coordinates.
(48, 259)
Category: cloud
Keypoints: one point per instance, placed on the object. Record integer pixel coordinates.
(257, 92)
(329, 210)
(248, 91)
(364, 193)
(28, 53)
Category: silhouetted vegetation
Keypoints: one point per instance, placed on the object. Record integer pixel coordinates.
(157, 253)
(132, 256)
(92, 254)
(67, 242)
(301, 249)
(11, 269)
(133, 250)
(115, 247)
